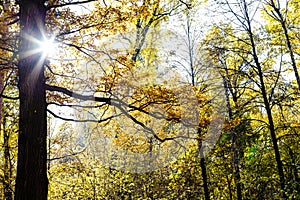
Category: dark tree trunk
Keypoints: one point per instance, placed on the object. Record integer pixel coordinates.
(203, 169)
(31, 181)
(246, 23)
(7, 168)
(269, 113)
(272, 131)
(289, 45)
(204, 177)
(1, 90)
(237, 176)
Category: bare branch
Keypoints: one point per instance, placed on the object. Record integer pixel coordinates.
(69, 4)
(81, 120)
(8, 97)
(65, 156)
(75, 105)
(76, 95)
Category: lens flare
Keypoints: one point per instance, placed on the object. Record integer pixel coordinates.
(47, 47)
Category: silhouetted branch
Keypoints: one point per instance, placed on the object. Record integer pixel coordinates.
(80, 120)
(76, 95)
(69, 4)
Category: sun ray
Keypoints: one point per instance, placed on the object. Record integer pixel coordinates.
(46, 46)
(43, 47)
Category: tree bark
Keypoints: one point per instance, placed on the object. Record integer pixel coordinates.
(31, 181)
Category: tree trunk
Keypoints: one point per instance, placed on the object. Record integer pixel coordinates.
(204, 177)
(31, 181)
(203, 169)
(7, 168)
(237, 176)
(269, 113)
(257, 64)
(289, 45)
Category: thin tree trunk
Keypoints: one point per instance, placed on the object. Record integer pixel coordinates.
(31, 181)
(272, 132)
(246, 23)
(193, 76)
(1, 118)
(268, 110)
(203, 169)
(237, 176)
(6, 149)
(289, 45)
(204, 177)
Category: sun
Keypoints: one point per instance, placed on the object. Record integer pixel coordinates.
(44, 48)
(47, 47)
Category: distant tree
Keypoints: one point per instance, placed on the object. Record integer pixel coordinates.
(243, 12)
(284, 14)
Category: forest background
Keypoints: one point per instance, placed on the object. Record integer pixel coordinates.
(149, 99)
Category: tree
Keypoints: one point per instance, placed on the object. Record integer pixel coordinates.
(232, 69)
(191, 64)
(244, 20)
(31, 182)
(8, 121)
(8, 144)
(105, 95)
(287, 21)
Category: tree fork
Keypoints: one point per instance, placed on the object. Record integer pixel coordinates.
(31, 181)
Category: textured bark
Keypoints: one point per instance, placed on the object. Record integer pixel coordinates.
(31, 181)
